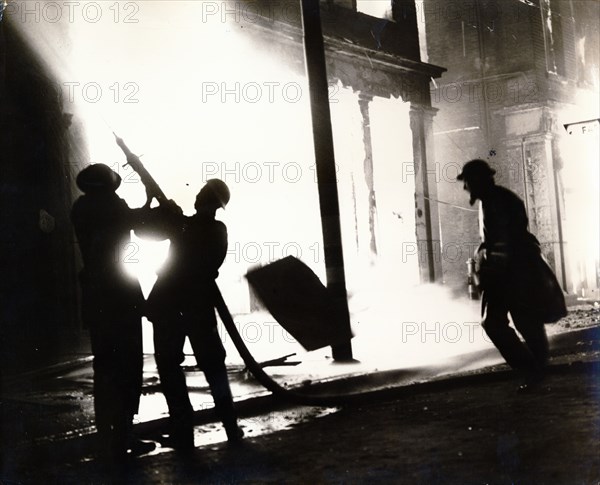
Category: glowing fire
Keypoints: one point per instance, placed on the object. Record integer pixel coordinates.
(203, 100)
(199, 99)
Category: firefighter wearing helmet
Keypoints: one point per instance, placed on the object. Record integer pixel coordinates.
(513, 275)
(112, 304)
(181, 305)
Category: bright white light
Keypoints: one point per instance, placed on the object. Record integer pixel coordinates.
(376, 8)
(580, 152)
(143, 259)
(198, 101)
(201, 100)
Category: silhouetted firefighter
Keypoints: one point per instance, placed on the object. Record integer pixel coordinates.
(182, 304)
(513, 275)
(112, 304)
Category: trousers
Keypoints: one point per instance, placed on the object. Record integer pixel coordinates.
(528, 355)
(170, 332)
(118, 361)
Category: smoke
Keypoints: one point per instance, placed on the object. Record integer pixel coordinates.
(396, 326)
(400, 325)
(197, 98)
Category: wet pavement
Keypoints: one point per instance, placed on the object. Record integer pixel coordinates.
(56, 404)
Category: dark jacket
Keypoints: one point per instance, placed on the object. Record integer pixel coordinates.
(198, 248)
(102, 223)
(513, 264)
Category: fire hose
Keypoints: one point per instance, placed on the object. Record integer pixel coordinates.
(267, 381)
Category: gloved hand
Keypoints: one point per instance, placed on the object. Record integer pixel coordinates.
(149, 197)
(171, 207)
(491, 267)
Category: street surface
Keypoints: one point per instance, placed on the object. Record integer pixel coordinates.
(481, 433)
(420, 425)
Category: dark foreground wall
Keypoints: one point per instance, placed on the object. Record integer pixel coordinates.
(37, 261)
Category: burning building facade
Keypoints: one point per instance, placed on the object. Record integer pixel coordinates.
(218, 89)
(519, 73)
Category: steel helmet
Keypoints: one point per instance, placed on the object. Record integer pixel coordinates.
(476, 169)
(98, 178)
(219, 191)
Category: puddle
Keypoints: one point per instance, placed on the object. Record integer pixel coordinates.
(213, 433)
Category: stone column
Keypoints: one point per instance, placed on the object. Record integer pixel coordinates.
(364, 101)
(427, 217)
(531, 173)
